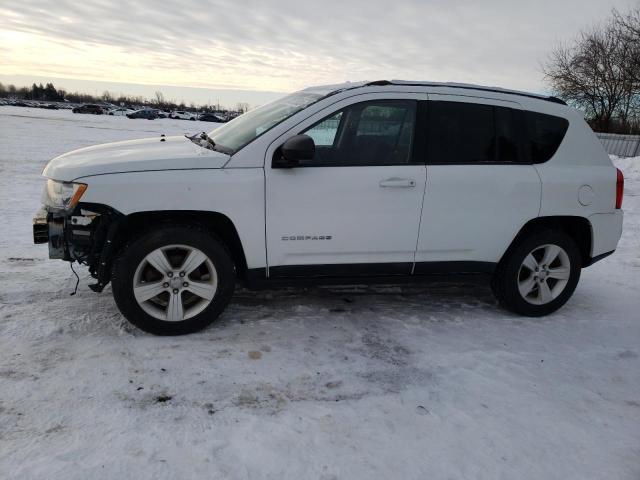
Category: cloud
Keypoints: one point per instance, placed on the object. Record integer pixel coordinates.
(284, 45)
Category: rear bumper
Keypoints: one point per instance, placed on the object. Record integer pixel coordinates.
(606, 230)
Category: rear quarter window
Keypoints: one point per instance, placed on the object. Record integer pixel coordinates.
(545, 134)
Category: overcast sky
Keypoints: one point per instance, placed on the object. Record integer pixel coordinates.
(284, 45)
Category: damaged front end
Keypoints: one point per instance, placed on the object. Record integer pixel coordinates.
(82, 234)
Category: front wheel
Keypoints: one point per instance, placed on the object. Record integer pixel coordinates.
(539, 274)
(173, 281)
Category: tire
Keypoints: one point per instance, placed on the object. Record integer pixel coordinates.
(199, 269)
(523, 290)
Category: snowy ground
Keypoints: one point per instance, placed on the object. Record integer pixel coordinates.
(404, 383)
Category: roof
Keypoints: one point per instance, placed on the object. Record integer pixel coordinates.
(333, 89)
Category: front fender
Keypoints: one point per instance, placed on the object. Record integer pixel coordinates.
(237, 193)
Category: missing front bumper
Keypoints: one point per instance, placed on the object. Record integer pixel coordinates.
(40, 227)
(86, 235)
(48, 228)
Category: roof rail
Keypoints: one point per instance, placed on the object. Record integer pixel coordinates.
(465, 87)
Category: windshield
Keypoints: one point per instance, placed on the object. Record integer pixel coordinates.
(234, 135)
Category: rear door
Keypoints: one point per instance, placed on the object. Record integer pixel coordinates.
(480, 187)
(354, 209)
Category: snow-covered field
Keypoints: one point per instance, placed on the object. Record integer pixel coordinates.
(393, 383)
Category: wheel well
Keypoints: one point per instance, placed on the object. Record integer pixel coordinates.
(219, 224)
(578, 228)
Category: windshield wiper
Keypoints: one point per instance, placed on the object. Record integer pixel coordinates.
(209, 140)
(203, 140)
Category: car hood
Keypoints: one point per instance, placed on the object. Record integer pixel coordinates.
(166, 153)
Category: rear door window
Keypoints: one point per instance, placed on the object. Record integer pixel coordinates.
(468, 133)
(460, 133)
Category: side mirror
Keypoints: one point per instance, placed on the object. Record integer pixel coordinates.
(300, 147)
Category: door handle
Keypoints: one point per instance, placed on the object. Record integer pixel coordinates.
(395, 182)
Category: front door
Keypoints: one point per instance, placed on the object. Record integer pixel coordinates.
(354, 209)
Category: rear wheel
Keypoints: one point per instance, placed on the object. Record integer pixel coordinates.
(173, 281)
(539, 274)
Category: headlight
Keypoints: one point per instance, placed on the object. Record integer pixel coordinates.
(62, 195)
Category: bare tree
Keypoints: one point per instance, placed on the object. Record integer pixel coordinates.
(599, 73)
(159, 98)
(242, 107)
(107, 97)
(628, 26)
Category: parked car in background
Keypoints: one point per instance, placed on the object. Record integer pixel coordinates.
(148, 113)
(89, 108)
(120, 111)
(183, 115)
(355, 183)
(212, 117)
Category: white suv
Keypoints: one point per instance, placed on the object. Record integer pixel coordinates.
(361, 182)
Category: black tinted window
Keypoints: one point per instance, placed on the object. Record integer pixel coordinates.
(368, 133)
(545, 135)
(460, 132)
(507, 134)
(469, 133)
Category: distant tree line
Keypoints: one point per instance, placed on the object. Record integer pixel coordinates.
(49, 93)
(36, 92)
(599, 73)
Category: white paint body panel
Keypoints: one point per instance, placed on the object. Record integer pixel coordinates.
(607, 230)
(473, 212)
(176, 152)
(237, 193)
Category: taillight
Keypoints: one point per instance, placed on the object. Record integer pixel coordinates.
(619, 188)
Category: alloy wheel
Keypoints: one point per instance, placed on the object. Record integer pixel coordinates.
(175, 282)
(544, 274)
